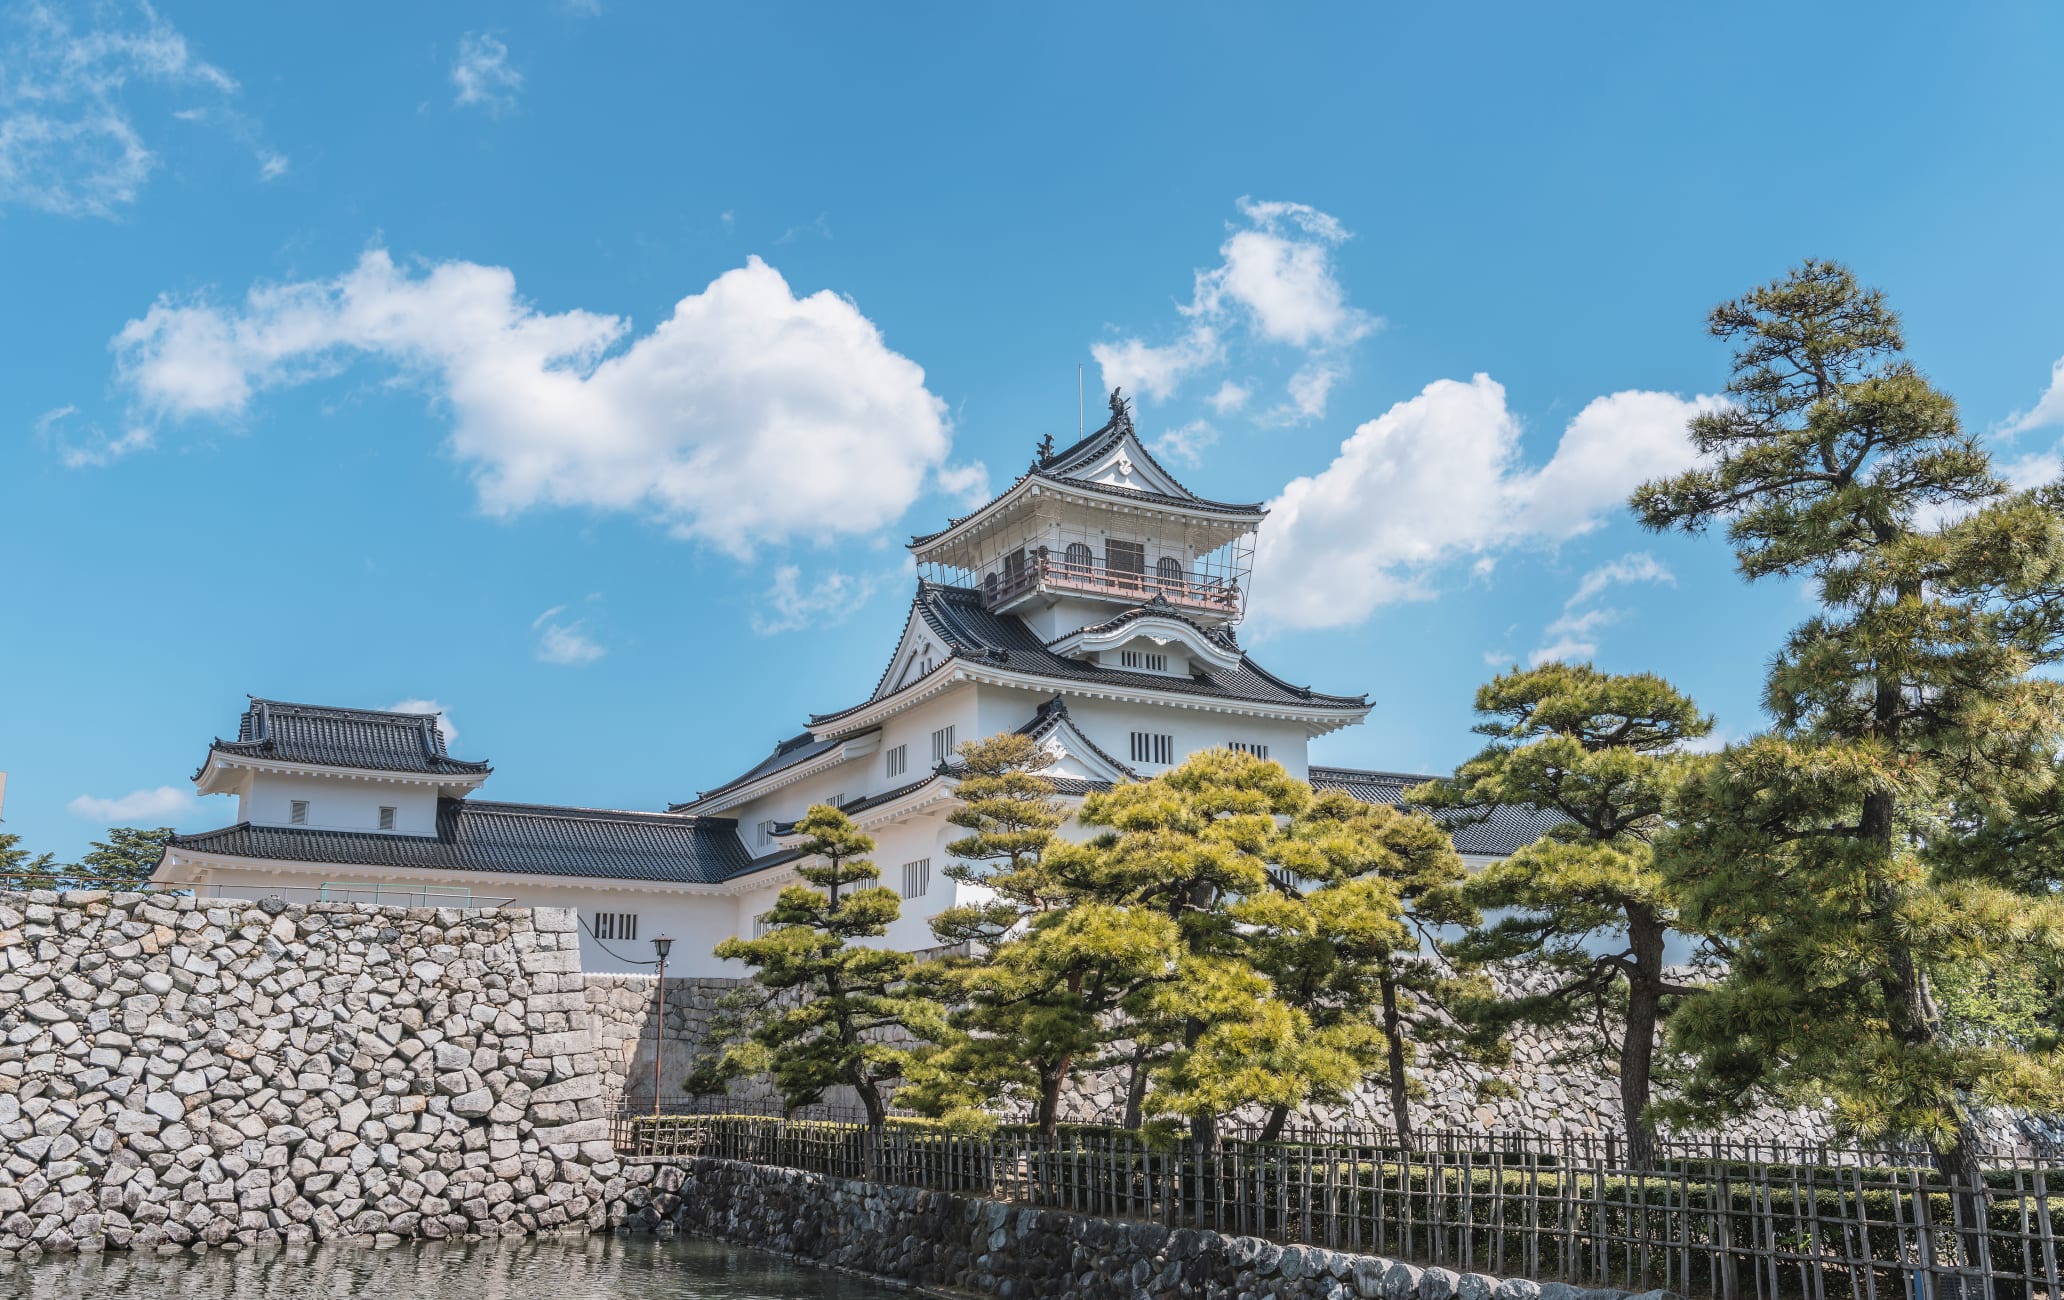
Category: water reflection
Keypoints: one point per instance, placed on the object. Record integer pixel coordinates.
(505, 1268)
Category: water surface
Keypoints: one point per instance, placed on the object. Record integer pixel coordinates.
(504, 1268)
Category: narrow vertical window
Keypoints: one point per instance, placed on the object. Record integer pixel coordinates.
(297, 811)
(917, 878)
(386, 818)
(942, 745)
(899, 760)
(1153, 747)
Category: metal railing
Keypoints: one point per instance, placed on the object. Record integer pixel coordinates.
(1723, 1228)
(1094, 577)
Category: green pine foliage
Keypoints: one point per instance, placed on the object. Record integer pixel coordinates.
(839, 1013)
(1348, 938)
(1034, 1007)
(125, 859)
(19, 869)
(1850, 859)
(1584, 913)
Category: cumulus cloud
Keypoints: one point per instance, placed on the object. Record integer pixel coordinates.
(565, 641)
(827, 601)
(160, 806)
(482, 77)
(1276, 283)
(748, 416)
(443, 715)
(967, 483)
(1439, 478)
(70, 142)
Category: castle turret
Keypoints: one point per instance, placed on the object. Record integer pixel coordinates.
(1098, 527)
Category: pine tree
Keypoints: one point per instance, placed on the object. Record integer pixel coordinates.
(1348, 938)
(1586, 913)
(1188, 844)
(1829, 855)
(838, 1007)
(1032, 1007)
(18, 870)
(125, 859)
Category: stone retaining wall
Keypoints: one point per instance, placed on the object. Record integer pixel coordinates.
(180, 1071)
(938, 1240)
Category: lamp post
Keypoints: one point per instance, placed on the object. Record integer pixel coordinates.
(660, 947)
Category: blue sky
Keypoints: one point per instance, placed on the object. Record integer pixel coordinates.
(582, 367)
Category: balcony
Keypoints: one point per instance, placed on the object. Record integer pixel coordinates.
(1213, 597)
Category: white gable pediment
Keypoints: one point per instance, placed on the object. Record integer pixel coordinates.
(918, 653)
(1075, 756)
(1165, 633)
(1126, 465)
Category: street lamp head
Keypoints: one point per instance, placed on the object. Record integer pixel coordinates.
(661, 945)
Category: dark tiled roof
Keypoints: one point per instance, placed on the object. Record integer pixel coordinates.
(787, 754)
(1051, 715)
(971, 632)
(513, 838)
(1158, 607)
(1128, 495)
(326, 737)
(851, 806)
(1502, 832)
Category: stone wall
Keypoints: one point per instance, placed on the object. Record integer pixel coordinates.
(939, 1240)
(180, 1071)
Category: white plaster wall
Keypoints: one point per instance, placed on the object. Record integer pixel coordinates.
(1110, 723)
(339, 803)
(696, 922)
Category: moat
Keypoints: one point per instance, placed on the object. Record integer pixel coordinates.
(596, 1267)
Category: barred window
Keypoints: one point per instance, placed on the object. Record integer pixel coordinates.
(917, 878)
(1153, 747)
(899, 760)
(942, 745)
(1152, 663)
(1248, 747)
(616, 925)
(386, 818)
(762, 923)
(297, 811)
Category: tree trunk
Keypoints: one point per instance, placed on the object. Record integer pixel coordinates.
(1273, 1130)
(1053, 1076)
(1136, 1087)
(1394, 1042)
(1645, 934)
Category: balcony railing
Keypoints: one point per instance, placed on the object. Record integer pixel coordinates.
(1095, 578)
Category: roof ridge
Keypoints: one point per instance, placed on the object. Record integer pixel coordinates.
(575, 810)
(1373, 772)
(292, 707)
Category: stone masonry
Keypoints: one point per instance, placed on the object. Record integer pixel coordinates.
(964, 1245)
(180, 1072)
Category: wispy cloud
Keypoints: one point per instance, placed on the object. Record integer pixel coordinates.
(1635, 566)
(565, 641)
(482, 75)
(1186, 442)
(159, 806)
(444, 722)
(1575, 634)
(1277, 284)
(70, 142)
(827, 601)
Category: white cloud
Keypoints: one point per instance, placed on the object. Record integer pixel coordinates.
(2048, 409)
(1276, 283)
(444, 722)
(272, 166)
(1279, 272)
(1438, 478)
(828, 601)
(69, 141)
(1573, 636)
(1635, 566)
(968, 483)
(565, 641)
(161, 806)
(1186, 442)
(482, 74)
(91, 447)
(1157, 372)
(748, 416)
